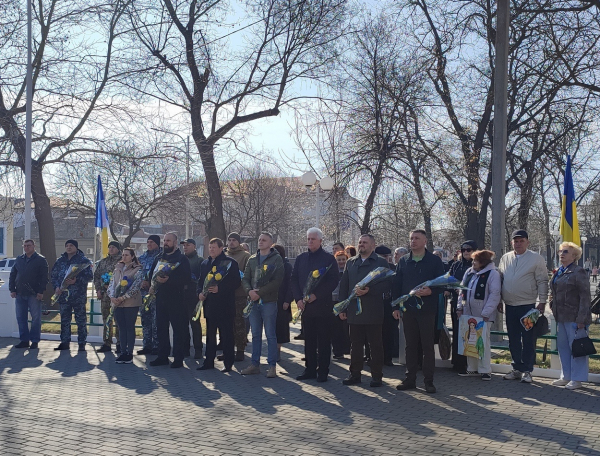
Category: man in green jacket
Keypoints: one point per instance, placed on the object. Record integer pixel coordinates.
(239, 254)
(262, 277)
(102, 275)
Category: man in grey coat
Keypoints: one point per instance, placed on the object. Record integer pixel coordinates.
(369, 324)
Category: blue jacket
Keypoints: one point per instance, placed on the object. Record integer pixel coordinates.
(77, 291)
(306, 263)
(29, 276)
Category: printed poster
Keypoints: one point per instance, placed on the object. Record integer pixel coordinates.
(473, 335)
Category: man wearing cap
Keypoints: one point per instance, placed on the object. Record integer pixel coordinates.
(149, 333)
(189, 250)
(74, 299)
(102, 275)
(240, 255)
(391, 342)
(525, 281)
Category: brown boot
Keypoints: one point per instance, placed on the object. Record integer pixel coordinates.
(239, 355)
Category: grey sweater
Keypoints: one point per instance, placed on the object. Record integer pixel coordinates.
(525, 278)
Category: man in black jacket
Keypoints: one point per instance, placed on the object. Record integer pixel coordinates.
(367, 325)
(413, 269)
(27, 282)
(318, 307)
(171, 304)
(189, 250)
(219, 304)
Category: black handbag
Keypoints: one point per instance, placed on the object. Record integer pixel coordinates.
(582, 347)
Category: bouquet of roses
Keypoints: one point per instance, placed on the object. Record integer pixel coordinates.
(120, 290)
(262, 276)
(530, 319)
(373, 277)
(313, 279)
(445, 281)
(72, 272)
(216, 274)
(162, 269)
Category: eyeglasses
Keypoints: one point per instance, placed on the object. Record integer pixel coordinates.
(466, 250)
(564, 251)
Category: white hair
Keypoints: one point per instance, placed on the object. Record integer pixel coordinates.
(315, 230)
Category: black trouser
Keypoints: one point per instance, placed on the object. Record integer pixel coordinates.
(126, 318)
(390, 327)
(373, 335)
(459, 361)
(419, 326)
(340, 336)
(176, 313)
(224, 323)
(317, 338)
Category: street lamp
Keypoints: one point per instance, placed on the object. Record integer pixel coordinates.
(556, 238)
(583, 239)
(309, 179)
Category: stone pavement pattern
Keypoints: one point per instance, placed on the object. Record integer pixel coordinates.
(83, 403)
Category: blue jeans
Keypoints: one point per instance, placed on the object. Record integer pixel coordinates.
(521, 343)
(575, 369)
(264, 314)
(126, 318)
(23, 304)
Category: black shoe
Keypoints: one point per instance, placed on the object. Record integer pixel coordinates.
(62, 346)
(121, 359)
(376, 383)
(321, 378)
(239, 355)
(220, 357)
(154, 351)
(105, 348)
(406, 386)
(128, 359)
(429, 388)
(226, 369)
(144, 351)
(22, 344)
(177, 363)
(306, 376)
(82, 347)
(303, 359)
(33, 346)
(160, 362)
(389, 363)
(118, 349)
(205, 367)
(299, 337)
(351, 380)
(338, 356)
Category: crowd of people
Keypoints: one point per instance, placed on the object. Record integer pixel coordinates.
(235, 287)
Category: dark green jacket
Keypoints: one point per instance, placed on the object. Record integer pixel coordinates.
(270, 291)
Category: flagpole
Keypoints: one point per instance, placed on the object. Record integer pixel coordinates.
(28, 121)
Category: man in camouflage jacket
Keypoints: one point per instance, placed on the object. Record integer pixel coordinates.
(149, 332)
(102, 275)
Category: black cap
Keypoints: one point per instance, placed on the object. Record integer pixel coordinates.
(116, 244)
(471, 244)
(519, 233)
(188, 241)
(72, 241)
(235, 236)
(155, 238)
(382, 250)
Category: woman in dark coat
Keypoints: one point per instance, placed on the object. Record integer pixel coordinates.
(284, 311)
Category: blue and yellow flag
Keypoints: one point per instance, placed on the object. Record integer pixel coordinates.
(102, 218)
(569, 228)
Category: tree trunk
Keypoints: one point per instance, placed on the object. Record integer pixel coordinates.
(215, 224)
(43, 215)
(366, 224)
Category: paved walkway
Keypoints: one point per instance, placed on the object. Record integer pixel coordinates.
(72, 403)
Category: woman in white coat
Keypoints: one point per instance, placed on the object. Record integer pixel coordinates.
(480, 300)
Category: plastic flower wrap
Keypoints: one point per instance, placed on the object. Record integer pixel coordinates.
(106, 277)
(72, 272)
(444, 281)
(530, 319)
(262, 276)
(162, 269)
(312, 281)
(216, 274)
(122, 287)
(373, 277)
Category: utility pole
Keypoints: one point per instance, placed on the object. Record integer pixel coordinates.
(187, 193)
(28, 121)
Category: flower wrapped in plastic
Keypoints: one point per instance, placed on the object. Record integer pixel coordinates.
(262, 276)
(530, 319)
(122, 287)
(72, 272)
(216, 274)
(375, 276)
(106, 278)
(162, 269)
(312, 281)
(445, 281)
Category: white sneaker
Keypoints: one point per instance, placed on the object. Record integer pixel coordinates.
(560, 382)
(572, 385)
(526, 377)
(513, 375)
